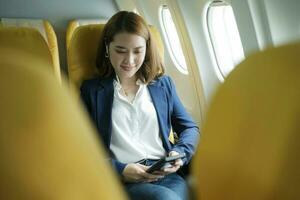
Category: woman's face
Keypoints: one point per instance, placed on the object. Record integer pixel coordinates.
(127, 53)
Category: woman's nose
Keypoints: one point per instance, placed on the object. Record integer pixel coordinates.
(129, 59)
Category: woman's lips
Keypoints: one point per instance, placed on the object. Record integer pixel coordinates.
(126, 68)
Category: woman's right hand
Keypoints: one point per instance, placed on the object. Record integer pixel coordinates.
(136, 173)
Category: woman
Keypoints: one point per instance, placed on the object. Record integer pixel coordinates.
(134, 107)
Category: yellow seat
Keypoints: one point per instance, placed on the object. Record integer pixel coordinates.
(82, 44)
(48, 148)
(250, 148)
(26, 42)
(77, 23)
(45, 29)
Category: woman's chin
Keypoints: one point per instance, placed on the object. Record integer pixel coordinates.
(127, 75)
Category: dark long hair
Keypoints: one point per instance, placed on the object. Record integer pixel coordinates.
(130, 22)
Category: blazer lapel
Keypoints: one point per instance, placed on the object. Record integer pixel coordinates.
(159, 99)
(104, 109)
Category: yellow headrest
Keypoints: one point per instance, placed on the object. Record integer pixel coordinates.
(48, 148)
(82, 50)
(250, 147)
(74, 24)
(17, 45)
(45, 29)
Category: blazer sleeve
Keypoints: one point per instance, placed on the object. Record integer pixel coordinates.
(183, 125)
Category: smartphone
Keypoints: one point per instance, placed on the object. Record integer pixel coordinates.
(164, 161)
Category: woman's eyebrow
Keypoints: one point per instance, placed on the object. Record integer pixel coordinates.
(121, 47)
(140, 47)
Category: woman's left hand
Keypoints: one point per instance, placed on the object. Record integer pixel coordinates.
(173, 168)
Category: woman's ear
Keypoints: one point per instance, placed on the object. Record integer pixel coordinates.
(106, 54)
(106, 51)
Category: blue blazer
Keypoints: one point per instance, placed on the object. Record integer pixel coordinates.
(97, 95)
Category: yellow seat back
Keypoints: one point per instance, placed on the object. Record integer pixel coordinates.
(74, 24)
(19, 44)
(82, 47)
(48, 148)
(250, 147)
(45, 29)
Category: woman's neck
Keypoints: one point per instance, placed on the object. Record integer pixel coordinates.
(128, 81)
(129, 87)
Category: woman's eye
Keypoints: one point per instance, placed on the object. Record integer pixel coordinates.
(138, 52)
(120, 51)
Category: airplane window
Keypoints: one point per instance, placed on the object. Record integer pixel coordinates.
(172, 40)
(224, 36)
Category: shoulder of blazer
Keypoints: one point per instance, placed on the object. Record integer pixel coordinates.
(96, 84)
(162, 81)
(165, 82)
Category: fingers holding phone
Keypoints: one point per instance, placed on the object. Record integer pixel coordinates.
(168, 164)
(174, 166)
(135, 173)
(178, 161)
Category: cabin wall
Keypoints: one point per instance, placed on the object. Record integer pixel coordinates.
(284, 20)
(59, 13)
(194, 16)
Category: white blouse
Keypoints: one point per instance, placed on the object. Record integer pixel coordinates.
(135, 128)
